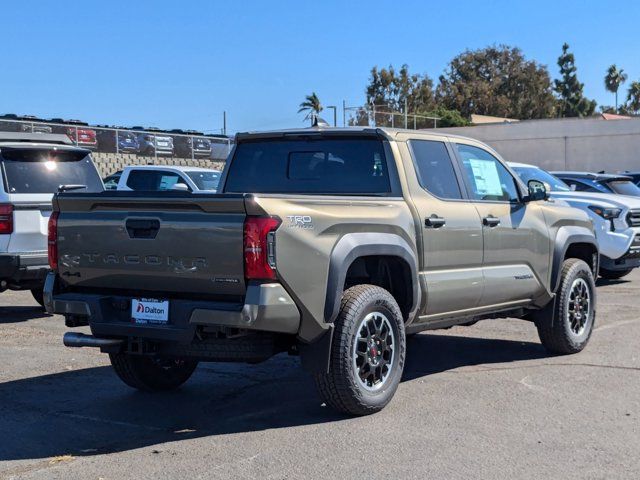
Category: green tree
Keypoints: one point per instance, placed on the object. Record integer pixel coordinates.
(499, 81)
(449, 118)
(623, 109)
(311, 105)
(633, 97)
(390, 90)
(613, 80)
(571, 100)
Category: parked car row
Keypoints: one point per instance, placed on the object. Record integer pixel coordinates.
(138, 140)
(599, 183)
(613, 204)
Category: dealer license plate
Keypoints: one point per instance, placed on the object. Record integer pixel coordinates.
(149, 310)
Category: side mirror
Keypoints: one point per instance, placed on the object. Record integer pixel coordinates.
(537, 191)
(180, 187)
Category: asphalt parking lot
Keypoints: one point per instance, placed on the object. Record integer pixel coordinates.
(476, 402)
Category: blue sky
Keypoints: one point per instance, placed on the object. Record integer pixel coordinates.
(180, 64)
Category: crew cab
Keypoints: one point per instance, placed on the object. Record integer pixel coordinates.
(616, 219)
(331, 244)
(160, 178)
(32, 168)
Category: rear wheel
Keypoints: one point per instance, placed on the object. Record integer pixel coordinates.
(565, 326)
(38, 295)
(614, 274)
(367, 352)
(152, 374)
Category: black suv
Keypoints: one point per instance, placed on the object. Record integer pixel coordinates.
(621, 184)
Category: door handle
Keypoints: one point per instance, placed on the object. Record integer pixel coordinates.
(491, 221)
(434, 221)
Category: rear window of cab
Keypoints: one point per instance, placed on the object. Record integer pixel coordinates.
(330, 166)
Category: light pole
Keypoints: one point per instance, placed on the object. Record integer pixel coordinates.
(335, 114)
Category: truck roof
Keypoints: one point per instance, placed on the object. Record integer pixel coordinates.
(598, 177)
(373, 131)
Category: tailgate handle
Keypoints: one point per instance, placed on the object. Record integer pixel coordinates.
(142, 228)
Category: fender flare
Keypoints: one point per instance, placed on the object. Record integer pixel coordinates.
(355, 245)
(566, 237)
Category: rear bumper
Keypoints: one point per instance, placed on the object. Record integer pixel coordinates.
(128, 148)
(28, 269)
(268, 308)
(164, 152)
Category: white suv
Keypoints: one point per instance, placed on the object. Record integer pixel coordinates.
(616, 219)
(32, 168)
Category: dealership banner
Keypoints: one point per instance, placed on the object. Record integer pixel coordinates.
(141, 142)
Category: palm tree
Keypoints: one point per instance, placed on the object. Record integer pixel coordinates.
(633, 97)
(614, 79)
(311, 105)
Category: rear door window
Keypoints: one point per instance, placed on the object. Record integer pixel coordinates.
(435, 169)
(32, 171)
(325, 165)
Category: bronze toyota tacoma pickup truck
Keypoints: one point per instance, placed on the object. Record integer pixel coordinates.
(334, 244)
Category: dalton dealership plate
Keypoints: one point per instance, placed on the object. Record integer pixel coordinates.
(150, 310)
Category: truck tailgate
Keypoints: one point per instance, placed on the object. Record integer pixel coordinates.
(163, 244)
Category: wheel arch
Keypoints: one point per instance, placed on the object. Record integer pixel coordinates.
(573, 242)
(355, 249)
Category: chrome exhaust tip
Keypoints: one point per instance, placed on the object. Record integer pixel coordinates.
(76, 340)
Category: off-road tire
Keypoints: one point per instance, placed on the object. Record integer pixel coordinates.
(553, 323)
(340, 388)
(38, 296)
(151, 374)
(614, 274)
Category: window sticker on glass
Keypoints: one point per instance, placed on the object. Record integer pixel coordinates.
(486, 177)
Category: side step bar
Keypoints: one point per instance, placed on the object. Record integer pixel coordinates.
(72, 339)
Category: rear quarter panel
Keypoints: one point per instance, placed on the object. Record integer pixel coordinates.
(311, 227)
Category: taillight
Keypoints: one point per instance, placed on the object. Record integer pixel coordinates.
(259, 247)
(52, 242)
(6, 218)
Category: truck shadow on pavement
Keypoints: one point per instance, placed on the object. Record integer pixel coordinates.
(21, 314)
(90, 412)
(603, 282)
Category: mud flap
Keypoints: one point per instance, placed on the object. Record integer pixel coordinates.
(315, 357)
